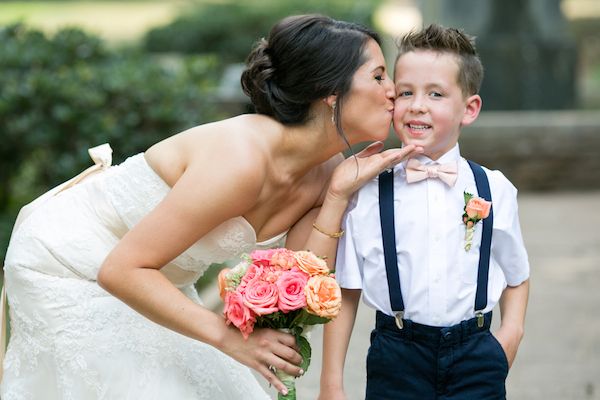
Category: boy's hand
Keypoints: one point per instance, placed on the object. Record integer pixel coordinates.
(509, 338)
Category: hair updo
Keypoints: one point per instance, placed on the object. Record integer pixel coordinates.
(305, 58)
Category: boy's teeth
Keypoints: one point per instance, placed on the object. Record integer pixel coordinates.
(418, 126)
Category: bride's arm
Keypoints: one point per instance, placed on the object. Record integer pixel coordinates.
(208, 193)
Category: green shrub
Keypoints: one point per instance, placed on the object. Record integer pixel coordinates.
(229, 29)
(61, 95)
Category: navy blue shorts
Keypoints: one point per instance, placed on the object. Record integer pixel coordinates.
(422, 362)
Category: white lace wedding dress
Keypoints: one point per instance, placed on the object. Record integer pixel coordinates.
(71, 340)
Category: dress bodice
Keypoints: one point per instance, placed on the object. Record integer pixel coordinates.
(134, 189)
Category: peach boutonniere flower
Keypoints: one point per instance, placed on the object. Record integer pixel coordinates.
(476, 209)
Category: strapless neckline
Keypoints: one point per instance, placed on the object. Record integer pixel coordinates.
(265, 243)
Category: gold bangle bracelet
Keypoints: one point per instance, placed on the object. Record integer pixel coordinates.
(335, 235)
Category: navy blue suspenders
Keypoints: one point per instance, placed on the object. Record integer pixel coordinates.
(386, 214)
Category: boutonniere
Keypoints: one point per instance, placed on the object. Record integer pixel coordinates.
(476, 209)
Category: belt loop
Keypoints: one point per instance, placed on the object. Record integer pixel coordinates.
(408, 330)
(464, 330)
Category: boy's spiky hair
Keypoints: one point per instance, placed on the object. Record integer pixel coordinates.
(448, 40)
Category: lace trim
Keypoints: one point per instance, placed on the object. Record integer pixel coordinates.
(135, 189)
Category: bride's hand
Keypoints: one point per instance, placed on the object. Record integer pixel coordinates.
(353, 172)
(265, 350)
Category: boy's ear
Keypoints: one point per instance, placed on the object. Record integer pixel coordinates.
(472, 109)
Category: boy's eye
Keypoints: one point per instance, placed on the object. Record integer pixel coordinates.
(435, 94)
(404, 93)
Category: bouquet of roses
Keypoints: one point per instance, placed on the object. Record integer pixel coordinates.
(280, 289)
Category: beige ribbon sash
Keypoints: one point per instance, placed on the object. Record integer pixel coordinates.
(102, 157)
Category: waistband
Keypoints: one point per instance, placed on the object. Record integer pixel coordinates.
(432, 334)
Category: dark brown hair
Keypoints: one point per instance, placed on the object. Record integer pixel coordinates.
(448, 40)
(305, 58)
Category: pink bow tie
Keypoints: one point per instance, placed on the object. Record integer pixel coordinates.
(415, 172)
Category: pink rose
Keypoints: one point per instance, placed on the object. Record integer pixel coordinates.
(478, 208)
(284, 259)
(261, 297)
(323, 296)
(311, 264)
(252, 272)
(262, 257)
(291, 290)
(238, 314)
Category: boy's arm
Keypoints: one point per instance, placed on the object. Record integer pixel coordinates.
(336, 338)
(513, 304)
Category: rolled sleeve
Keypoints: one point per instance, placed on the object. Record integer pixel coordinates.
(348, 265)
(508, 248)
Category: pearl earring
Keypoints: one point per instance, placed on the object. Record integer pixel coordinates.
(333, 113)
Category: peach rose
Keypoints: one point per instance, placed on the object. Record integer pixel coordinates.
(323, 296)
(222, 279)
(238, 314)
(291, 290)
(311, 264)
(283, 258)
(261, 297)
(478, 208)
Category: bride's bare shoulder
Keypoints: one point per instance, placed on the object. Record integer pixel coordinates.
(233, 141)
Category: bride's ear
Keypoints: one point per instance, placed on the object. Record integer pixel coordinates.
(330, 100)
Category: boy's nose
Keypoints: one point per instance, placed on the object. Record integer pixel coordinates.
(417, 105)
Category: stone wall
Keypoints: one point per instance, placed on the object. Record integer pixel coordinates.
(538, 150)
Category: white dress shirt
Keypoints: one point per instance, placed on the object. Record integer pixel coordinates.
(438, 277)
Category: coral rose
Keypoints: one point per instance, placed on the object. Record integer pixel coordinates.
(311, 264)
(261, 297)
(238, 314)
(323, 296)
(478, 208)
(291, 290)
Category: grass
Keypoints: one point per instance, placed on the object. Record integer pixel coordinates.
(117, 22)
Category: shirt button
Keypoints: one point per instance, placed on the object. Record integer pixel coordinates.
(436, 279)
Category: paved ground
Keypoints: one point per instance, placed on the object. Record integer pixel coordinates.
(560, 355)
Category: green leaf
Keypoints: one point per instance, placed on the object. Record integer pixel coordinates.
(305, 351)
(468, 196)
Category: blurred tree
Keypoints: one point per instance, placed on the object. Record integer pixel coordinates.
(61, 95)
(230, 28)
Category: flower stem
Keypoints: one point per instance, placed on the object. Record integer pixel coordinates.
(290, 383)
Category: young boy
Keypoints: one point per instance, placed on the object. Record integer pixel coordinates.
(432, 267)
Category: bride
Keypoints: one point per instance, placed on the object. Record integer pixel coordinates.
(100, 272)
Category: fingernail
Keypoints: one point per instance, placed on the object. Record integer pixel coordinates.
(301, 372)
(284, 391)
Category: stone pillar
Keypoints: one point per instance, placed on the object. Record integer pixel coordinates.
(525, 46)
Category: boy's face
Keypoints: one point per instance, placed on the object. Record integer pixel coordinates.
(430, 107)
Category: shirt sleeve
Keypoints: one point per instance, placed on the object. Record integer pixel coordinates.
(508, 248)
(348, 264)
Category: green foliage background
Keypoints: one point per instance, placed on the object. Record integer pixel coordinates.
(229, 29)
(63, 93)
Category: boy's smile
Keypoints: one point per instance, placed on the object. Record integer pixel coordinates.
(430, 107)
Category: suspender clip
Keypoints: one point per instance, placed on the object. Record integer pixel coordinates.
(479, 316)
(399, 322)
